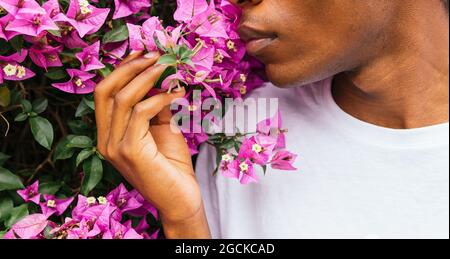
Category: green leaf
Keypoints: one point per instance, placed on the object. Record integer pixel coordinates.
(89, 101)
(80, 142)
(26, 105)
(93, 173)
(106, 71)
(5, 96)
(168, 59)
(9, 181)
(84, 154)
(3, 158)
(78, 127)
(169, 71)
(185, 53)
(56, 33)
(17, 43)
(116, 35)
(6, 204)
(40, 105)
(4, 47)
(42, 131)
(17, 214)
(56, 74)
(264, 167)
(62, 151)
(50, 187)
(21, 117)
(83, 109)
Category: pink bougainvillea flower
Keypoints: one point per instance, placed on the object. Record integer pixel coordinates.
(89, 57)
(81, 230)
(52, 8)
(31, 226)
(283, 160)
(209, 23)
(124, 200)
(15, 7)
(229, 167)
(146, 207)
(273, 127)
(11, 68)
(9, 235)
(141, 37)
(259, 148)
(7, 35)
(52, 205)
(31, 193)
(247, 171)
(68, 224)
(31, 24)
(46, 56)
(194, 141)
(84, 17)
(119, 231)
(188, 9)
(171, 82)
(80, 82)
(169, 39)
(114, 52)
(124, 8)
(98, 215)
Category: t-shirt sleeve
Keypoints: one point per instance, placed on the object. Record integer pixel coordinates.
(204, 172)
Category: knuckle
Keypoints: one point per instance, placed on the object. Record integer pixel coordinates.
(139, 109)
(99, 90)
(111, 153)
(125, 152)
(121, 99)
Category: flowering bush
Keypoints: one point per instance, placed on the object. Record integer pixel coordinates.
(52, 55)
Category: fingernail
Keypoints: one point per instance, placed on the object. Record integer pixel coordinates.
(133, 52)
(151, 55)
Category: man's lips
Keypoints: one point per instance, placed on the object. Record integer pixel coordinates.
(256, 40)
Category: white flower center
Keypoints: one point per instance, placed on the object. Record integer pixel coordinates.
(244, 167)
(83, 3)
(243, 78)
(78, 82)
(102, 200)
(85, 10)
(256, 148)
(226, 158)
(10, 70)
(231, 45)
(91, 200)
(21, 72)
(51, 203)
(243, 89)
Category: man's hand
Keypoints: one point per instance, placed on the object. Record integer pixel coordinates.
(135, 135)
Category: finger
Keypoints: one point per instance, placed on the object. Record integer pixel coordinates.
(125, 73)
(133, 55)
(144, 111)
(104, 93)
(129, 96)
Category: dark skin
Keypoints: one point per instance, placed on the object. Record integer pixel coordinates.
(390, 58)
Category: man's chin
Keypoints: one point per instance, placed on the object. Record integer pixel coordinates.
(287, 77)
(282, 78)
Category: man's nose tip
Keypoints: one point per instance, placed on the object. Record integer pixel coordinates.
(243, 2)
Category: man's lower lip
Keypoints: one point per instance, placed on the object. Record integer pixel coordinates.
(255, 46)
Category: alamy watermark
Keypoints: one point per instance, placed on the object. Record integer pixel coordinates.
(229, 116)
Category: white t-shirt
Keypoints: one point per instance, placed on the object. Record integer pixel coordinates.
(354, 179)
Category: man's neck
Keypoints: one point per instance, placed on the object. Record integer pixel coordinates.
(406, 84)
